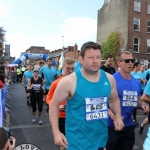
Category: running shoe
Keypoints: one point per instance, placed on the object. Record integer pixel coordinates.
(30, 104)
(40, 122)
(141, 129)
(34, 120)
(136, 123)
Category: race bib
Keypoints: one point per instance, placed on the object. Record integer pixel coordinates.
(130, 98)
(96, 108)
(36, 87)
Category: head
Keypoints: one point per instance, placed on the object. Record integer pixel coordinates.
(90, 57)
(41, 64)
(136, 66)
(125, 61)
(2, 67)
(49, 62)
(3, 139)
(29, 67)
(2, 77)
(68, 66)
(109, 60)
(142, 68)
(35, 71)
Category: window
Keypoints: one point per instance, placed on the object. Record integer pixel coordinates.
(137, 6)
(148, 11)
(136, 24)
(136, 44)
(148, 45)
(148, 26)
(142, 61)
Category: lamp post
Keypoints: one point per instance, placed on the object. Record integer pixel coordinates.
(63, 42)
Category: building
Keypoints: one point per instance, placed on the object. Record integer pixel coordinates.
(132, 19)
(70, 51)
(7, 58)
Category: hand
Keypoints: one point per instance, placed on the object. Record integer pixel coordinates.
(11, 147)
(60, 140)
(118, 123)
(145, 109)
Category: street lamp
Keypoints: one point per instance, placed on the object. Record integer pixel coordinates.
(63, 41)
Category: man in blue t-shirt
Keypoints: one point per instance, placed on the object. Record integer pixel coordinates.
(129, 90)
(25, 78)
(49, 74)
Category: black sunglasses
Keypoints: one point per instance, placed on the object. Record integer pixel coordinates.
(128, 60)
(36, 71)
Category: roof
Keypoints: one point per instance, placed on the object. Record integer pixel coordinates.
(57, 54)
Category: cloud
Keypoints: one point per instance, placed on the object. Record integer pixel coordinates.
(74, 30)
(62, 13)
(10, 4)
(3, 12)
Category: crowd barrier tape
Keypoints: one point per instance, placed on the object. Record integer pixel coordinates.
(2, 105)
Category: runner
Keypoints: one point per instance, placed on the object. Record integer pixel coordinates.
(129, 91)
(36, 85)
(68, 67)
(27, 75)
(87, 92)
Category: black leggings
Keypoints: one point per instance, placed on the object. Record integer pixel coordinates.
(39, 101)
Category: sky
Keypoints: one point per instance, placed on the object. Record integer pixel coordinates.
(48, 23)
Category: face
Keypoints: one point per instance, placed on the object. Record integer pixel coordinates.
(109, 62)
(68, 69)
(36, 72)
(91, 61)
(142, 68)
(138, 67)
(49, 62)
(29, 67)
(126, 67)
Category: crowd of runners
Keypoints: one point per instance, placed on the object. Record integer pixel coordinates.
(90, 106)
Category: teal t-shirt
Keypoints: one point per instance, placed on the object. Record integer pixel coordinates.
(49, 75)
(28, 75)
(86, 114)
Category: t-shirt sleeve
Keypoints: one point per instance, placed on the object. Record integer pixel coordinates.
(147, 88)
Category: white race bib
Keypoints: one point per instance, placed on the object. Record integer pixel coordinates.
(130, 98)
(96, 108)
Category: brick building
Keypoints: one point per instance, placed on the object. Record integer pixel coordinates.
(132, 19)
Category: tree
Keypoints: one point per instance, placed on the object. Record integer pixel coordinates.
(112, 45)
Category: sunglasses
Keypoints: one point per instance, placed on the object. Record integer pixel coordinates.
(128, 60)
(36, 71)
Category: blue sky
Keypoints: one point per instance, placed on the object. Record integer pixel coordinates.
(44, 22)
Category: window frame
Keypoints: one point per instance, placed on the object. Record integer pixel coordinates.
(148, 26)
(135, 24)
(136, 44)
(135, 6)
(148, 9)
(147, 47)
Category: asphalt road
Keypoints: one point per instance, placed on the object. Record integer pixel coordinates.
(41, 135)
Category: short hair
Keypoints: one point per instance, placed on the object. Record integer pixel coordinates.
(136, 64)
(3, 138)
(68, 60)
(88, 45)
(118, 56)
(2, 77)
(48, 59)
(108, 56)
(2, 67)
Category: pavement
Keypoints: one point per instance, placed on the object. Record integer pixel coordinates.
(41, 135)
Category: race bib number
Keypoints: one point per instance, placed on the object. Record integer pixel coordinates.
(36, 87)
(96, 108)
(130, 98)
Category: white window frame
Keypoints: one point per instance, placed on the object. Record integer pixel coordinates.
(137, 24)
(136, 44)
(148, 9)
(147, 46)
(137, 6)
(148, 26)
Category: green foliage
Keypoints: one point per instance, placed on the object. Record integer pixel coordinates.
(111, 45)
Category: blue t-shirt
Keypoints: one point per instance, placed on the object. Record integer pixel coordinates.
(28, 75)
(77, 66)
(143, 76)
(49, 75)
(128, 92)
(136, 75)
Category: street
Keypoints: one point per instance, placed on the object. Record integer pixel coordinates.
(41, 135)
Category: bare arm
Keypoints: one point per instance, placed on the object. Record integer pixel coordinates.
(23, 78)
(64, 89)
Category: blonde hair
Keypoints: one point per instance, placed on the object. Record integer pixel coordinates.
(119, 55)
(68, 60)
